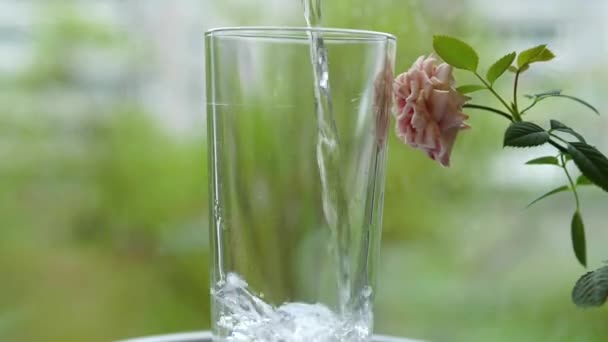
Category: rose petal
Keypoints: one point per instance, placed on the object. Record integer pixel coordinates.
(443, 74)
(438, 104)
(428, 109)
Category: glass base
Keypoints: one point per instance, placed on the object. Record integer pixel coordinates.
(205, 336)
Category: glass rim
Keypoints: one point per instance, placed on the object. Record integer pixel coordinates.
(284, 31)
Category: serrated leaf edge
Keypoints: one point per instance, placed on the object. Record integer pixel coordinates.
(591, 289)
(520, 126)
(576, 147)
(510, 57)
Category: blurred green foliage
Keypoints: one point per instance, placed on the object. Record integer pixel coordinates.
(104, 212)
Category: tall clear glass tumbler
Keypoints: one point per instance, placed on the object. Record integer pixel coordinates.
(296, 177)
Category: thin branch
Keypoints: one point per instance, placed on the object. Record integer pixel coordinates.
(572, 184)
(515, 108)
(557, 137)
(489, 109)
(504, 103)
(534, 102)
(558, 146)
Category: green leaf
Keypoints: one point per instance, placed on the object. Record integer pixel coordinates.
(582, 180)
(558, 126)
(469, 88)
(499, 67)
(512, 69)
(545, 56)
(548, 160)
(525, 134)
(546, 93)
(592, 163)
(578, 238)
(538, 53)
(557, 93)
(456, 52)
(573, 98)
(591, 290)
(537, 97)
(550, 193)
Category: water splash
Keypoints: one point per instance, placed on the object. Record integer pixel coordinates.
(247, 318)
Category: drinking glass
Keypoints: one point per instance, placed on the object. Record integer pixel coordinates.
(296, 197)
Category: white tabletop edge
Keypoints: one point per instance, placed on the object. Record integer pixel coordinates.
(207, 335)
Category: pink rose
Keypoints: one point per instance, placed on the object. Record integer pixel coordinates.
(428, 108)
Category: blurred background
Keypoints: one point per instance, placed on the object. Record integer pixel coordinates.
(103, 179)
